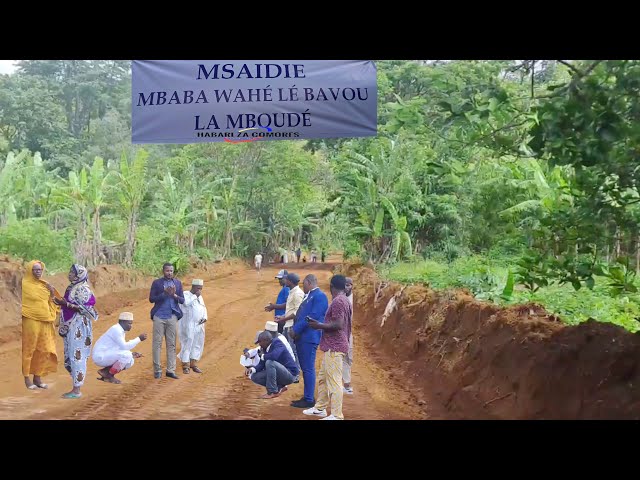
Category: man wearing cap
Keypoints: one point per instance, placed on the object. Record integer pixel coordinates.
(191, 328)
(307, 339)
(294, 300)
(249, 356)
(279, 308)
(112, 352)
(166, 293)
(277, 367)
(336, 330)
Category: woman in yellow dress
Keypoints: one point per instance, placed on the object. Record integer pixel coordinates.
(39, 313)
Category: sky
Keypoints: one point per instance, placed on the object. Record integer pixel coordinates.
(6, 66)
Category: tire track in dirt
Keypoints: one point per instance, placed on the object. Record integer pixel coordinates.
(236, 311)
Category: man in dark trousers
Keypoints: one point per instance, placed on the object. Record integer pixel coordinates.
(277, 367)
(166, 293)
(314, 306)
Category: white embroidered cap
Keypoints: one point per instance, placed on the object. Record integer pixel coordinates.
(126, 316)
(197, 282)
(271, 326)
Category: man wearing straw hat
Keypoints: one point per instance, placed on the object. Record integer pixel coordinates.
(191, 327)
(112, 351)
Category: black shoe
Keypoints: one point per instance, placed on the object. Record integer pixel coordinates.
(157, 375)
(302, 404)
(172, 375)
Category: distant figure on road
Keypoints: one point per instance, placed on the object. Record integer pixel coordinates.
(323, 255)
(314, 256)
(166, 292)
(113, 352)
(279, 308)
(191, 328)
(277, 367)
(313, 306)
(348, 359)
(257, 261)
(336, 330)
(298, 254)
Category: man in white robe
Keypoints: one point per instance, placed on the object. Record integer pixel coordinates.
(191, 327)
(113, 352)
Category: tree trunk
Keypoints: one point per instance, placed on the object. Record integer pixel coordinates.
(82, 250)
(638, 254)
(617, 248)
(97, 238)
(131, 238)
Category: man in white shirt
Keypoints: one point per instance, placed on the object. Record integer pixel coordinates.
(112, 352)
(294, 300)
(347, 360)
(257, 261)
(191, 327)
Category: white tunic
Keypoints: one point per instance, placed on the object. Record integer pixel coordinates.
(190, 332)
(112, 347)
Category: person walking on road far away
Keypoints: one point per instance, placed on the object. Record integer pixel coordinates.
(314, 306)
(257, 261)
(191, 328)
(336, 330)
(113, 352)
(298, 254)
(166, 293)
(348, 358)
(294, 300)
(277, 367)
(279, 308)
(323, 255)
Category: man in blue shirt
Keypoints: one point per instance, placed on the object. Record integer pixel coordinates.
(277, 367)
(315, 306)
(279, 308)
(166, 293)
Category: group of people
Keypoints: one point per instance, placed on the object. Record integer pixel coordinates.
(284, 257)
(73, 314)
(303, 321)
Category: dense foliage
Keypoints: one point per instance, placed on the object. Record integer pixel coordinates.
(534, 163)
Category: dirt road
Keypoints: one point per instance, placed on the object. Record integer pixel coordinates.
(235, 304)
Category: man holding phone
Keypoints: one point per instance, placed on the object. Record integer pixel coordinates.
(313, 307)
(336, 330)
(191, 329)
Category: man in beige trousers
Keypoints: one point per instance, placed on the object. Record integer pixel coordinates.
(348, 358)
(166, 294)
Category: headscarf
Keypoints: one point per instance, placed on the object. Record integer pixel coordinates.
(82, 274)
(80, 292)
(37, 303)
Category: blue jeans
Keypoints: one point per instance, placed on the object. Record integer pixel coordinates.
(307, 359)
(274, 376)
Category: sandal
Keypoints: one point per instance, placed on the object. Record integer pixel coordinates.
(196, 369)
(72, 395)
(32, 387)
(41, 385)
(110, 380)
(185, 370)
